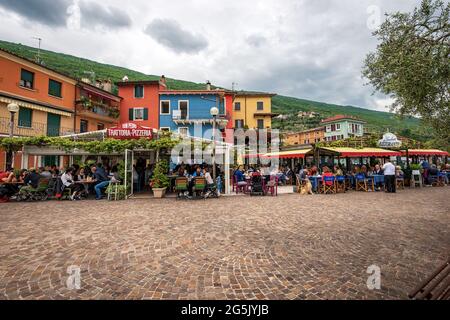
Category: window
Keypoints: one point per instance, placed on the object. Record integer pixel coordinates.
(54, 88)
(183, 106)
(260, 105)
(333, 127)
(260, 123)
(100, 126)
(27, 79)
(239, 124)
(25, 117)
(84, 126)
(237, 106)
(165, 129)
(183, 131)
(138, 114)
(138, 91)
(338, 126)
(328, 128)
(165, 107)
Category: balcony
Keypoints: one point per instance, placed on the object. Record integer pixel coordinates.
(97, 110)
(33, 129)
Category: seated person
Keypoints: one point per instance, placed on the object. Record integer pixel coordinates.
(338, 171)
(198, 172)
(327, 173)
(240, 179)
(209, 179)
(102, 181)
(31, 180)
(68, 182)
(398, 172)
(7, 176)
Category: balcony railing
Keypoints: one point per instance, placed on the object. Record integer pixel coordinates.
(33, 129)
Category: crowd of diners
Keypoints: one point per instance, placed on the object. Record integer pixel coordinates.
(79, 180)
(390, 172)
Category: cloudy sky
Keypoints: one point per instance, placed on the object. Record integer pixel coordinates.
(310, 49)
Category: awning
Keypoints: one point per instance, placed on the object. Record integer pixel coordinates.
(35, 106)
(364, 152)
(425, 152)
(289, 154)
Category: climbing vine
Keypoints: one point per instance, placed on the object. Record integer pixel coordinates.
(97, 146)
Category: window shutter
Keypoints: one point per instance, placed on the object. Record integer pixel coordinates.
(25, 115)
(145, 113)
(131, 114)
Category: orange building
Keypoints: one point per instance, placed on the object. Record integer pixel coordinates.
(309, 136)
(140, 103)
(47, 102)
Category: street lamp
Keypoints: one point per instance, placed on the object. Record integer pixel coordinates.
(13, 109)
(214, 112)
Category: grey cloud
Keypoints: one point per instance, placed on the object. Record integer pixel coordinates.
(256, 40)
(54, 13)
(94, 14)
(170, 34)
(48, 12)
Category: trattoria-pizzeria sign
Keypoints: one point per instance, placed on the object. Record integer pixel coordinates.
(130, 131)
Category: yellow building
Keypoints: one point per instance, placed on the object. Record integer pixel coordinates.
(252, 110)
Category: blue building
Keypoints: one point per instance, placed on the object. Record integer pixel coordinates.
(181, 111)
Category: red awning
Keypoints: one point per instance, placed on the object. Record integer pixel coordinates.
(364, 152)
(425, 152)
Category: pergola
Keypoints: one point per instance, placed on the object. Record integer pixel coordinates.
(128, 155)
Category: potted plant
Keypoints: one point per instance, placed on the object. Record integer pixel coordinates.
(159, 181)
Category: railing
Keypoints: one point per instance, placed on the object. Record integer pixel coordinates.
(32, 129)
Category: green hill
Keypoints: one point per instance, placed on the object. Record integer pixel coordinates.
(77, 67)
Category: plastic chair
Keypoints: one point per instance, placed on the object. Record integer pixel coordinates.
(113, 191)
(272, 186)
(239, 187)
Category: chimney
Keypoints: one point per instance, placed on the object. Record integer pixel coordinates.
(107, 85)
(208, 85)
(163, 79)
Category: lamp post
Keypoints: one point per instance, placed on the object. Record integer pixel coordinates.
(214, 112)
(13, 109)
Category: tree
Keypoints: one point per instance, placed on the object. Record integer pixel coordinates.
(411, 64)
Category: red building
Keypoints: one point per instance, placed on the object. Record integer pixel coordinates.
(140, 104)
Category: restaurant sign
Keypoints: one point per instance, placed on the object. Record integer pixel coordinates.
(130, 131)
(389, 141)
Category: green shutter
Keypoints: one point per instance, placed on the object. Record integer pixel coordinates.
(145, 113)
(54, 88)
(131, 114)
(27, 75)
(25, 116)
(53, 124)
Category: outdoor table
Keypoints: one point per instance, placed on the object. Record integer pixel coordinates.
(378, 178)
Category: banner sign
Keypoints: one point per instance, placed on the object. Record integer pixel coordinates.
(130, 131)
(389, 141)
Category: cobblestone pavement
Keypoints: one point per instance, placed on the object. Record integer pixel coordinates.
(285, 247)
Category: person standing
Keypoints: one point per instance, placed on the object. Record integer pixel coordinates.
(389, 176)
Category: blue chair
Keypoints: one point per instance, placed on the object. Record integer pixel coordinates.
(329, 184)
(361, 183)
(340, 184)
